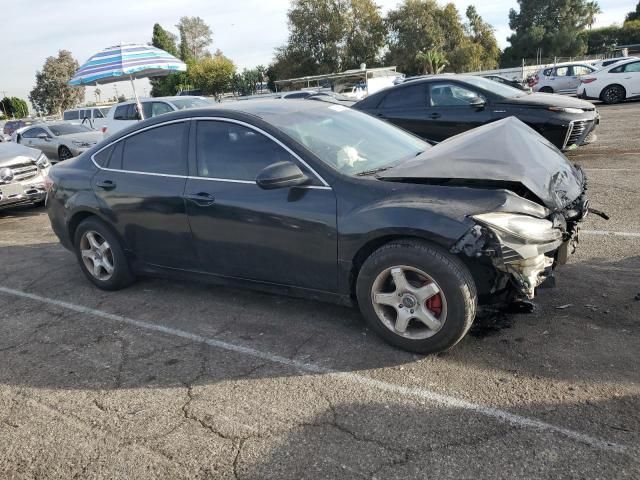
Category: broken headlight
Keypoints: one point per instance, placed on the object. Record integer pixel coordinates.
(43, 161)
(524, 227)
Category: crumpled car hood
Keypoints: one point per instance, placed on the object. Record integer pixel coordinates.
(14, 154)
(503, 151)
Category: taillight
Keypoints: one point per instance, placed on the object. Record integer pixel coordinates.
(48, 183)
(588, 80)
(104, 130)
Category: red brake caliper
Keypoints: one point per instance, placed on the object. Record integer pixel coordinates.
(434, 304)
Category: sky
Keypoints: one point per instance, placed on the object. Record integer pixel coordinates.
(247, 31)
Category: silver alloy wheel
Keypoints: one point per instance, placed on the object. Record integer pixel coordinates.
(400, 297)
(97, 255)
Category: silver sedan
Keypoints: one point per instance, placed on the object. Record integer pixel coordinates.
(58, 141)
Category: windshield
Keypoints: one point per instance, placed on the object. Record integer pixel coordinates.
(495, 87)
(68, 129)
(352, 142)
(183, 103)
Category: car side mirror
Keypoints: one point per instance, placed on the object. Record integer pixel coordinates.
(43, 136)
(281, 175)
(477, 102)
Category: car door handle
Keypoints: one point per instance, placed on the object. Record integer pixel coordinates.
(380, 115)
(106, 185)
(434, 115)
(202, 199)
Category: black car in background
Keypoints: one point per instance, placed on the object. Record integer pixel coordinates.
(507, 81)
(320, 200)
(441, 106)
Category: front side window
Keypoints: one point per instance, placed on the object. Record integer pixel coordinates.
(121, 112)
(230, 151)
(451, 95)
(97, 113)
(405, 97)
(158, 150)
(68, 129)
(581, 70)
(71, 115)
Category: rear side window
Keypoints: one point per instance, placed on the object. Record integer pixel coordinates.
(33, 133)
(562, 71)
(102, 158)
(581, 70)
(233, 152)
(71, 115)
(547, 72)
(405, 97)
(97, 113)
(158, 150)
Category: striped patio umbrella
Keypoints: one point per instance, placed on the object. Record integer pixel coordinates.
(127, 62)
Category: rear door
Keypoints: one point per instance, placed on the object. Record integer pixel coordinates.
(574, 80)
(140, 187)
(451, 109)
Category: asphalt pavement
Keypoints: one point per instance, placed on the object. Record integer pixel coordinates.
(183, 380)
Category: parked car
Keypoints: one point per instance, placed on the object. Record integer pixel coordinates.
(507, 81)
(22, 175)
(610, 61)
(441, 106)
(321, 200)
(126, 113)
(59, 141)
(613, 84)
(13, 125)
(562, 79)
(92, 117)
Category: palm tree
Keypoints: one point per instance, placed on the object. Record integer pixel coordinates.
(592, 9)
(432, 61)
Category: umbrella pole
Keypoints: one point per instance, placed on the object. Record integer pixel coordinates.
(135, 94)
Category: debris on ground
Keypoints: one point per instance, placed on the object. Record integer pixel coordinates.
(562, 307)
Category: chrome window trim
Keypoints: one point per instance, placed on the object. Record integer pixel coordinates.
(325, 185)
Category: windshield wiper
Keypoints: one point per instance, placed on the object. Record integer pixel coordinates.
(371, 172)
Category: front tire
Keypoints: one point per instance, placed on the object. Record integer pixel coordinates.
(64, 153)
(416, 296)
(613, 94)
(101, 256)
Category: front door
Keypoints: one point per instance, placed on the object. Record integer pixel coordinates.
(140, 187)
(285, 236)
(406, 107)
(451, 109)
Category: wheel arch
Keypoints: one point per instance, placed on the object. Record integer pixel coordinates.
(80, 215)
(373, 244)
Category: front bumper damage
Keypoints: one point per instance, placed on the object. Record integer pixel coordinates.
(522, 265)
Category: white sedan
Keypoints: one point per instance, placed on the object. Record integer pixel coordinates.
(613, 84)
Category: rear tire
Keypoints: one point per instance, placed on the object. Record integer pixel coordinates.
(417, 277)
(101, 256)
(613, 94)
(546, 90)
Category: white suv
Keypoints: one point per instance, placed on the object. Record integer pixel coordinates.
(92, 117)
(563, 78)
(126, 113)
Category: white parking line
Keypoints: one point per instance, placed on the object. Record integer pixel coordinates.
(354, 378)
(607, 232)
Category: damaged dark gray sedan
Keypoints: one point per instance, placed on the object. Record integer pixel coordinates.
(322, 201)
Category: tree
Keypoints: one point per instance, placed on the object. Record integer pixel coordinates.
(635, 15)
(164, 40)
(14, 107)
(212, 75)
(605, 39)
(364, 34)
(52, 93)
(432, 61)
(551, 26)
(422, 26)
(195, 37)
(326, 36)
